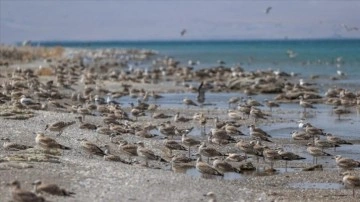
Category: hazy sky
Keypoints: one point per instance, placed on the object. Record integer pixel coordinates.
(143, 20)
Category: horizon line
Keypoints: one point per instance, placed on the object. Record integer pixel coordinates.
(55, 41)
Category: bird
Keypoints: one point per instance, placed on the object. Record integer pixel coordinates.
(271, 104)
(52, 189)
(233, 157)
(173, 145)
(181, 162)
(147, 154)
(178, 118)
(288, 156)
(189, 102)
(351, 181)
(271, 155)
(205, 168)
(259, 133)
(183, 32)
(91, 148)
(346, 163)
(189, 142)
(221, 135)
(246, 147)
(128, 149)
(111, 157)
(84, 125)
(336, 140)
(201, 93)
(48, 143)
(305, 104)
(232, 130)
(167, 129)
(224, 166)
(20, 195)
(208, 151)
(58, 126)
(323, 144)
(12, 146)
(211, 196)
(268, 9)
(315, 152)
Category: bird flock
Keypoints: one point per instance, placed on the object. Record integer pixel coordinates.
(214, 141)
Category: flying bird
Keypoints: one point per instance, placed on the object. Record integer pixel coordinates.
(267, 11)
(183, 32)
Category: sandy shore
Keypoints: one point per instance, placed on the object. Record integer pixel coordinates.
(98, 180)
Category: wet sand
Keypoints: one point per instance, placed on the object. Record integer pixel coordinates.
(98, 180)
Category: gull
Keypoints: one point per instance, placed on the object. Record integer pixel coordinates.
(111, 157)
(205, 168)
(145, 133)
(271, 155)
(12, 146)
(300, 135)
(208, 151)
(182, 33)
(181, 162)
(324, 143)
(178, 118)
(48, 143)
(58, 126)
(224, 166)
(246, 147)
(346, 163)
(257, 114)
(20, 195)
(201, 93)
(25, 101)
(259, 149)
(55, 104)
(233, 100)
(128, 149)
(340, 110)
(351, 181)
(160, 115)
(301, 124)
(84, 125)
(288, 156)
(234, 115)
(271, 104)
(147, 154)
(52, 189)
(173, 145)
(211, 196)
(83, 111)
(253, 103)
(313, 131)
(259, 133)
(305, 104)
(189, 102)
(221, 134)
(233, 157)
(232, 130)
(189, 142)
(137, 113)
(91, 148)
(167, 129)
(315, 152)
(336, 140)
(268, 9)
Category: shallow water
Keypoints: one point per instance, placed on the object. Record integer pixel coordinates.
(227, 176)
